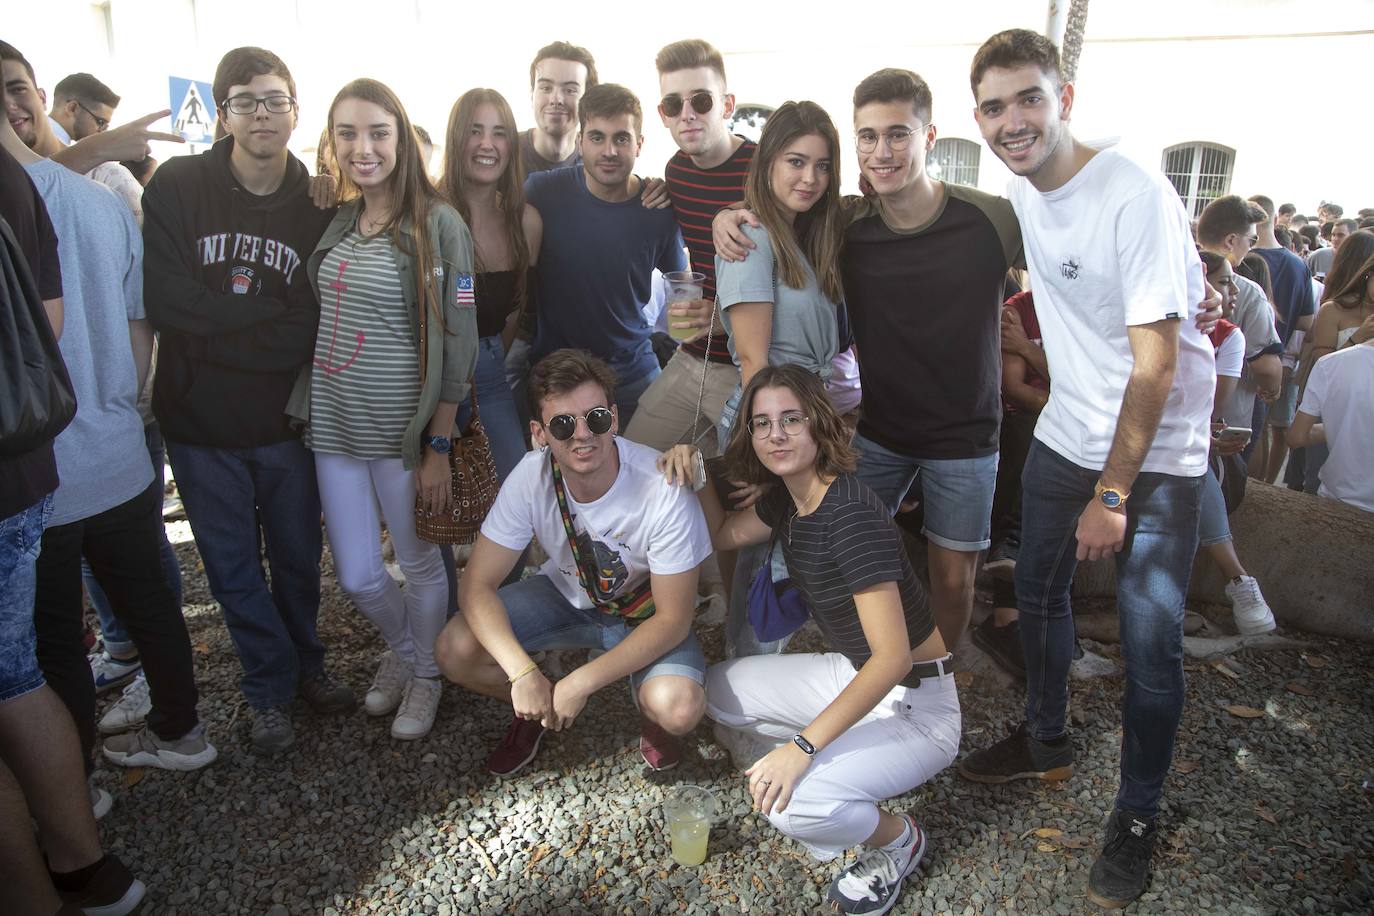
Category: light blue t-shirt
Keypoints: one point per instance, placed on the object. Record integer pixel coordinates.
(596, 267)
(804, 326)
(102, 458)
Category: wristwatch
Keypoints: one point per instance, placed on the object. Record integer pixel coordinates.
(807, 747)
(441, 444)
(1109, 497)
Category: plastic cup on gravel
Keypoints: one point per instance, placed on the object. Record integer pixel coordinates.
(689, 811)
(683, 286)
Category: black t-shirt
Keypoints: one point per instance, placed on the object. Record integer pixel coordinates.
(848, 544)
(27, 478)
(925, 305)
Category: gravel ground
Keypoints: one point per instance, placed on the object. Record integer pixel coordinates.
(1267, 814)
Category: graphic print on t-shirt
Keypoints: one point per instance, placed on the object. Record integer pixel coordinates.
(339, 287)
(611, 570)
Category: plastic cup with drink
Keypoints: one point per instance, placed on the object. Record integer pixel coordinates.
(690, 811)
(683, 286)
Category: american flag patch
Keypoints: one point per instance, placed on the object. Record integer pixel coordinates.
(465, 295)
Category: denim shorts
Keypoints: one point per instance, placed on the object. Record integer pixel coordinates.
(955, 492)
(21, 536)
(542, 618)
(1282, 410)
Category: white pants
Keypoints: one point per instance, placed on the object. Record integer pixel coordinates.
(357, 496)
(909, 737)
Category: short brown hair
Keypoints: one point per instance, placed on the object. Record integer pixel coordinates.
(562, 371)
(1226, 216)
(1016, 48)
(834, 454)
(895, 85)
(608, 100)
(562, 50)
(1264, 203)
(240, 65)
(689, 54)
(85, 88)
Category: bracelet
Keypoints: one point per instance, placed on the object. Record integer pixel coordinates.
(522, 672)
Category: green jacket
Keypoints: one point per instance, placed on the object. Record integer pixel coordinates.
(451, 356)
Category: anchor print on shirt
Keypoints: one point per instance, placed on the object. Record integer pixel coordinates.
(327, 364)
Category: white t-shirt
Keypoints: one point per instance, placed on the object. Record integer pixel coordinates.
(641, 525)
(1231, 354)
(1340, 391)
(1108, 250)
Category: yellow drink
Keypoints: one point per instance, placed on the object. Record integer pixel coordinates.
(689, 836)
(684, 286)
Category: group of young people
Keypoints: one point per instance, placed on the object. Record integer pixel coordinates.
(316, 361)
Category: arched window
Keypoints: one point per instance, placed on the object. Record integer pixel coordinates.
(1200, 173)
(955, 161)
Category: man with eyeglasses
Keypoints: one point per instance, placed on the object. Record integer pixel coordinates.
(706, 173)
(621, 578)
(924, 264)
(227, 235)
(49, 135)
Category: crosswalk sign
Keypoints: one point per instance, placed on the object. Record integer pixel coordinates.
(193, 109)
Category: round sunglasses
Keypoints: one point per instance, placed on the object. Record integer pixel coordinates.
(562, 427)
(671, 105)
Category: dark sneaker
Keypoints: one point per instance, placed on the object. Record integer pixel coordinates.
(272, 730)
(144, 748)
(1002, 645)
(517, 748)
(327, 696)
(1019, 756)
(870, 886)
(660, 750)
(1122, 871)
(111, 891)
(1001, 559)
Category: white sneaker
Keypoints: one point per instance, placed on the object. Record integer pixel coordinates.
(101, 802)
(110, 673)
(387, 687)
(416, 716)
(1253, 616)
(130, 711)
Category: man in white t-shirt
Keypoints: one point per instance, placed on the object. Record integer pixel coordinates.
(1116, 467)
(623, 584)
(1338, 408)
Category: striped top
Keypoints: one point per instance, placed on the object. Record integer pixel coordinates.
(846, 545)
(365, 382)
(698, 195)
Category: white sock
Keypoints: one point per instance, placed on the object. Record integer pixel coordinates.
(902, 841)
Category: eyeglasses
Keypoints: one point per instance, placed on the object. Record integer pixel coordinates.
(563, 426)
(898, 138)
(248, 105)
(702, 102)
(100, 123)
(791, 424)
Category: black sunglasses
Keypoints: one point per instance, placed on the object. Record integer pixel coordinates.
(671, 106)
(562, 427)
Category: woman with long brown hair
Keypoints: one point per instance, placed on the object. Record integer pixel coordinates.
(396, 349)
(484, 180)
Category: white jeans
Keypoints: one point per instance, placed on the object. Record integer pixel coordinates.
(909, 737)
(357, 496)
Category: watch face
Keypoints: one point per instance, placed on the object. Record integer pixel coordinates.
(1111, 499)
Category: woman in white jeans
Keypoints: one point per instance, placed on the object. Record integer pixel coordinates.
(382, 395)
(877, 715)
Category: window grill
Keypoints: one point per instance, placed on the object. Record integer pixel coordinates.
(1199, 172)
(955, 161)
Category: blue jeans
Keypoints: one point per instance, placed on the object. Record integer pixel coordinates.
(1214, 527)
(21, 537)
(112, 632)
(1152, 573)
(496, 405)
(228, 494)
(541, 619)
(956, 492)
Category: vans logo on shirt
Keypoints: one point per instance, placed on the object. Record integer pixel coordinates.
(1070, 269)
(248, 249)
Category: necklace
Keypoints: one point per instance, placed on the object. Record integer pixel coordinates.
(801, 509)
(369, 225)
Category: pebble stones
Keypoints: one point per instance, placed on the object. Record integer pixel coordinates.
(1261, 815)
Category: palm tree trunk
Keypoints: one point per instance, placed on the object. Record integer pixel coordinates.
(1066, 22)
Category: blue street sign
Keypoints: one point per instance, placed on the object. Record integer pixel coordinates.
(193, 110)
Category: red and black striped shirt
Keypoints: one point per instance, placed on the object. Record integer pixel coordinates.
(698, 195)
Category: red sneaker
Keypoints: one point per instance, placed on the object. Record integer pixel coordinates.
(660, 750)
(517, 748)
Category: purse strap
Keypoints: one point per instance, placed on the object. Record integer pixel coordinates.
(639, 605)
